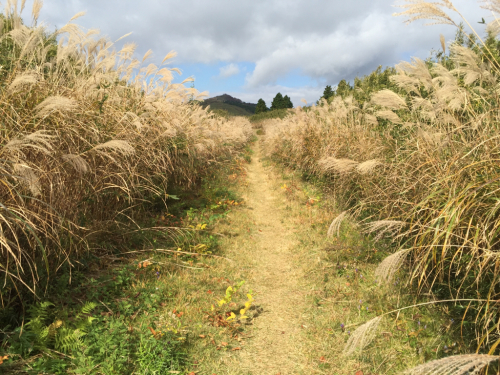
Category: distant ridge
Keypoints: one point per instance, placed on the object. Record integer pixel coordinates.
(234, 106)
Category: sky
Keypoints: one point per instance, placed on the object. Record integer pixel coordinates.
(255, 49)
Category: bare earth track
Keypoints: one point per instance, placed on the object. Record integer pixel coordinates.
(276, 275)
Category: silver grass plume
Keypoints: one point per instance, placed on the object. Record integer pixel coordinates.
(389, 115)
(37, 7)
(467, 364)
(493, 6)
(122, 147)
(420, 9)
(25, 79)
(338, 165)
(370, 119)
(382, 227)
(55, 103)
(362, 336)
(38, 140)
(470, 65)
(443, 43)
(368, 166)
(28, 178)
(417, 70)
(77, 162)
(390, 265)
(389, 99)
(335, 225)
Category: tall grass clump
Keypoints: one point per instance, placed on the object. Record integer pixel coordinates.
(89, 135)
(418, 164)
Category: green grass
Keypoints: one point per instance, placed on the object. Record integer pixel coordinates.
(278, 113)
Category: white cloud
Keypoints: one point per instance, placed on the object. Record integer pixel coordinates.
(229, 71)
(325, 41)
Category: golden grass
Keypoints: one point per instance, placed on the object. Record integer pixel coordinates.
(435, 140)
(87, 137)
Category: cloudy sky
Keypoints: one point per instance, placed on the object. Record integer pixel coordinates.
(254, 49)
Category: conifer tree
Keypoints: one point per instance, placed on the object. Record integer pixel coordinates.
(277, 102)
(328, 93)
(287, 102)
(261, 106)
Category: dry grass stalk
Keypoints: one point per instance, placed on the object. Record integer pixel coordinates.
(362, 336)
(467, 364)
(389, 266)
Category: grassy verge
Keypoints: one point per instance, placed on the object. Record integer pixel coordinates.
(345, 294)
(160, 307)
(278, 113)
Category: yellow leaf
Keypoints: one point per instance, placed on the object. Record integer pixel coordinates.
(233, 316)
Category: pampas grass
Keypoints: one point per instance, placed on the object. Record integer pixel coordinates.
(386, 270)
(362, 336)
(467, 364)
(337, 165)
(336, 223)
(82, 122)
(430, 151)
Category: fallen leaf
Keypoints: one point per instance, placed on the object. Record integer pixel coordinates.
(359, 372)
(237, 348)
(202, 336)
(322, 358)
(209, 292)
(223, 343)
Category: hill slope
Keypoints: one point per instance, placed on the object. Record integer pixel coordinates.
(234, 106)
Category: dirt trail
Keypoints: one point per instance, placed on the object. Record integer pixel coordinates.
(276, 277)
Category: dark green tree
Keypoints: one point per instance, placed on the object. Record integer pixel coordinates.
(278, 102)
(261, 106)
(287, 102)
(328, 93)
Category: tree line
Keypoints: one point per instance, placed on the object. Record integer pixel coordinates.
(279, 102)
